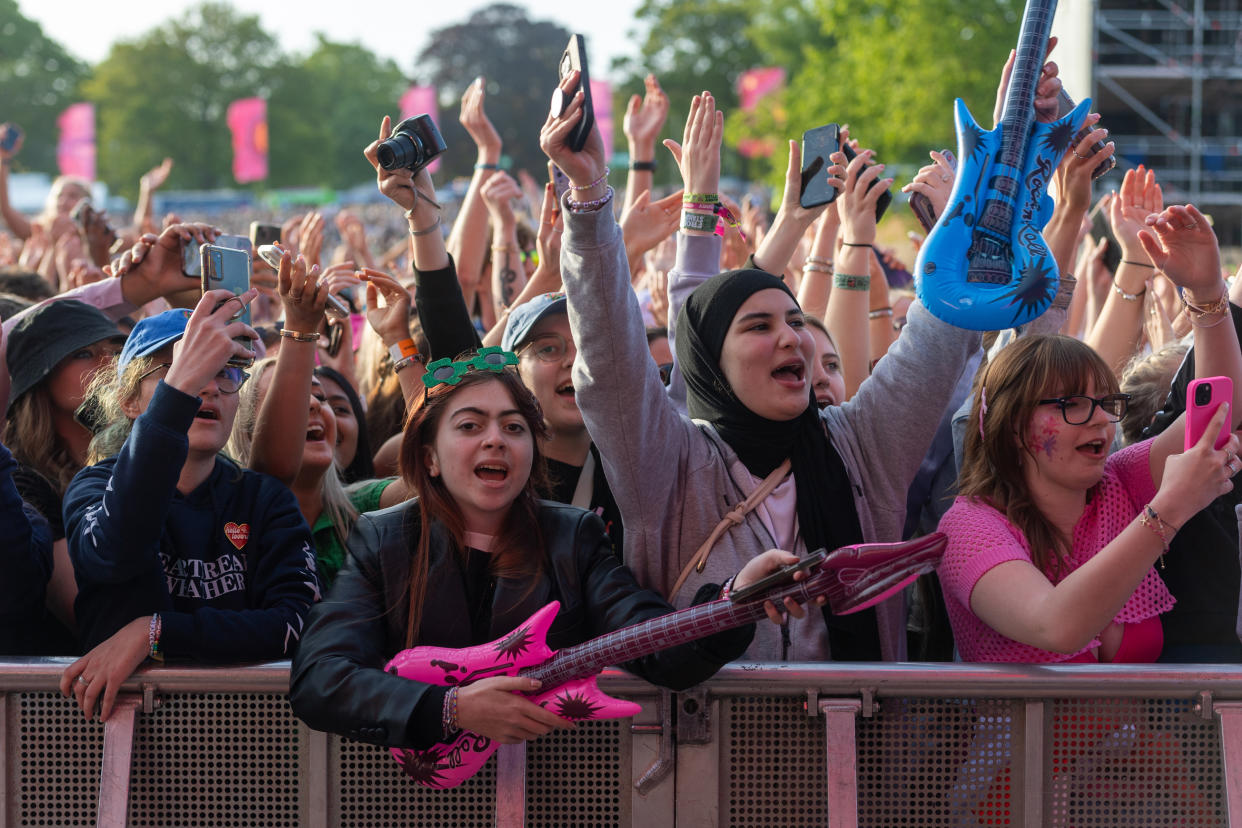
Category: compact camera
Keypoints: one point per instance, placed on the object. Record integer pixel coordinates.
(414, 143)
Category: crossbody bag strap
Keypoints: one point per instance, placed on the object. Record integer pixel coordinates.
(732, 518)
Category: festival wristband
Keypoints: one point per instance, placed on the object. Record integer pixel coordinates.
(643, 166)
(699, 221)
(708, 198)
(405, 349)
(849, 282)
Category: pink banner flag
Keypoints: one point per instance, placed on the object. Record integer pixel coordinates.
(601, 102)
(754, 84)
(76, 151)
(421, 100)
(247, 119)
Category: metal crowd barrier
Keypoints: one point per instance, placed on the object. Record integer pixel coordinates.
(841, 745)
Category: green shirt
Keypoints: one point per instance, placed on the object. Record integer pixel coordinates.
(329, 551)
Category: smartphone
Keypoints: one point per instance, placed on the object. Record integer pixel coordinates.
(235, 243)
(778, 578)
(560, 182)
(921, 205)
(270, 253)
(817, 145)
(228, 269)
(191, 258)
(886, 197)
(1064, 105)
(10, 134)
(1203, 397)
(261, 234)
(574, 58)
(336, 335)
(1101, 229)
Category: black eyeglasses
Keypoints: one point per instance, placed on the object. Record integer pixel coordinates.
(228, 381)
(1079, 408)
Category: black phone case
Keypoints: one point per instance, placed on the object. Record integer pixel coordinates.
(817, 145)
(575, 58)
(886, 198)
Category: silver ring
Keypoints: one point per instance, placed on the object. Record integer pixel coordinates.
(85, 682)
(946, 178)
(1076, 154)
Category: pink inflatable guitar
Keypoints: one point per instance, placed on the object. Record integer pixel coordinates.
(852, 577)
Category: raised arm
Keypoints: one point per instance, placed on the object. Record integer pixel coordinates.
(469, 236)
(792, 219)
(1117, 331)
(152, 180)
(1180, 242)
(508, 275)
(18, 223)
(644, 118)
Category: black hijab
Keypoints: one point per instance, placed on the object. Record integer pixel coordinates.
(827, 516)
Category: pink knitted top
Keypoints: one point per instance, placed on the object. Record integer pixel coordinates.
(980, 537)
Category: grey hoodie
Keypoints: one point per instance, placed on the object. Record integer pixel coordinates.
(674, 479)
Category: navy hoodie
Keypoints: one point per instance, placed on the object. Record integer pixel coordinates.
(229, 567)
(26, 557)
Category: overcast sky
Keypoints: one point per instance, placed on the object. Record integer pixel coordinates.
(88, 27)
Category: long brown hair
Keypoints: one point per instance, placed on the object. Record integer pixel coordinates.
(30, 434)
(518, 550)
(1027, 370)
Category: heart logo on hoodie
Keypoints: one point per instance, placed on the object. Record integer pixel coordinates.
(237, 535)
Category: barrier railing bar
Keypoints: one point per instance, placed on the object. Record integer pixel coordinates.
(1230, 715)
(118, 754)
(1028, 754)
(318, 759)
(6, 801)
(511, 786)
(841, 761)
(927, 680)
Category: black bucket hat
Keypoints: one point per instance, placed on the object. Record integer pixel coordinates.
(47, 335)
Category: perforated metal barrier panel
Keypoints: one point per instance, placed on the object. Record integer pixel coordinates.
(224, 759)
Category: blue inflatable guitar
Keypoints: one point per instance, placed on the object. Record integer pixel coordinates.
(985, 265)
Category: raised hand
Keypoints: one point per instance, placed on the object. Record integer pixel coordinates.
(698, 154)
(1180, 242)
(1046, 91)
(303, 295)
(310, 236)
(647, 223)
(856, 204)
(499, 193)
(154, 178)
(1073, 176)
(935, 181)
(211, 340)
(153, 266)
(585, 167)
(6, 155)
(645, 117)
(477, 124)
(400, 185)
(391, 320)
(1127, 210)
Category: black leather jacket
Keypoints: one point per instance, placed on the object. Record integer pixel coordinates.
(338, 683)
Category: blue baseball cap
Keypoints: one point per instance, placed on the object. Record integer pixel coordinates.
(151, 334)
(527, 316)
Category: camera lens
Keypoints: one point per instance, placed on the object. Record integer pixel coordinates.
(1203, 394)
(401, 150)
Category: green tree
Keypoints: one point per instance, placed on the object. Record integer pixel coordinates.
(893, 73)
(325, 109)
(167, 94)
(697, 45)
(38, 79)
(518, 56)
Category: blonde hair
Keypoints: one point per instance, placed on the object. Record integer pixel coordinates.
(1147, 380)
(336, 502)
(108, 393)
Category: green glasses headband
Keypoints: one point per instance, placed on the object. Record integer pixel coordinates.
(447, 372)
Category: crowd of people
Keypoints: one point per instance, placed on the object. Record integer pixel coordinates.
(621, 400)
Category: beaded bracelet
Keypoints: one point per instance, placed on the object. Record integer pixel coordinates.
(727, 587)
(1129, 297)
(811, 267)
(448, 715)
(298, 336)
(589, 206)
(594, 183)
(1196, 312)
(819, 260)
(1159, 528)
(849, 282)
(153, 637)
